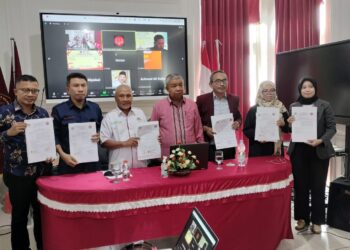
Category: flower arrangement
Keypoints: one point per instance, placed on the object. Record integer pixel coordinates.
(180, 160)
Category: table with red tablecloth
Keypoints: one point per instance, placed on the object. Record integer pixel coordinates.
(248, 208)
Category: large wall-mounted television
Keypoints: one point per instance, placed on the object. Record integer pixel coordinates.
(328, 64)
(112, 50)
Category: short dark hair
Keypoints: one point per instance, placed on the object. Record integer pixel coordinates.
(157, 37)
(76, 75)
(122, 73)
(25, 78)
(215, 72)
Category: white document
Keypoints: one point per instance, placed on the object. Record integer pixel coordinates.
(304, 127)
(80, 145)
(225, 135)
(148, 146)
(40, 139)
(266, 128)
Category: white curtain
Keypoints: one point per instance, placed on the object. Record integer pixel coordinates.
(262, 48)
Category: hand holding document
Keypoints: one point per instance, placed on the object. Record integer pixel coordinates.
(40, 140)
(224, 135)
(148, 146)
(266, 128)
(304, 127)
(80, 145)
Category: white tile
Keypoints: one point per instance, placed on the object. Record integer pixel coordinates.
(329, 239)
(5, 240)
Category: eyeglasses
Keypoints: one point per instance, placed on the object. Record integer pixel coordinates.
(27, 91)
(220, 81)
(268, 91)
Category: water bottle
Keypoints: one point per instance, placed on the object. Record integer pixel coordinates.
(126, 171)
(241, 158)
(164, 168)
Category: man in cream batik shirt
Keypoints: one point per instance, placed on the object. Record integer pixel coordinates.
(118, 129)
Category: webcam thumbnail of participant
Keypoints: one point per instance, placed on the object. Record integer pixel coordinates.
(84, 50)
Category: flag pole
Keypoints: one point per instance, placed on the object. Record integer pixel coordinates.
(16, 70)
(217, 45)
(12, 40)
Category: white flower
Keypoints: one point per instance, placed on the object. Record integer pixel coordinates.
(189, 152)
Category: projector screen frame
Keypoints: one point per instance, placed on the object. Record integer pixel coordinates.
(138, 97)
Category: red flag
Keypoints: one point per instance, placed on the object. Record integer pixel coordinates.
(16, 70)
(4, 99)
(4, 94)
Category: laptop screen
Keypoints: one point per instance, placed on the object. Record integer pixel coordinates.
(201, 150)
(197, 234)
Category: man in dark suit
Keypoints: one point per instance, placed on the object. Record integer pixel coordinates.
(218, 102)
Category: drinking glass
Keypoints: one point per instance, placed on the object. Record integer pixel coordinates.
(116, 171)
(219, 157)
(125, 171)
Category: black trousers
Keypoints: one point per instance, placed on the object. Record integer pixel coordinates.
(23, 195)
(310, 175)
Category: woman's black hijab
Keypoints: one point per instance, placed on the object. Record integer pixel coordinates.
(303, 100)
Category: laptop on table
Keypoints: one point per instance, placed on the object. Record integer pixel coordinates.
(196, 234)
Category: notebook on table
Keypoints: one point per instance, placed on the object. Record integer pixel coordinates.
(200, 150)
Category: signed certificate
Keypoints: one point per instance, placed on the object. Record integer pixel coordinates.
(224, 134)
(304, 127)
(266, 128)
(80, 144)
(40, 139)
(148, 146)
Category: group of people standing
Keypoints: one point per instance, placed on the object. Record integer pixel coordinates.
(310, 160)
(181, 121)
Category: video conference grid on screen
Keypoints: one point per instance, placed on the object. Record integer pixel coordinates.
(112, 50)
(197, 234)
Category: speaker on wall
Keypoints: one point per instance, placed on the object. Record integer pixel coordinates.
(338, 215)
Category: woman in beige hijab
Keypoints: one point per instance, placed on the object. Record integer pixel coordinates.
(266, 97)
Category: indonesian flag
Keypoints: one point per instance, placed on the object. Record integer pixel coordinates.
(205, 72)
(208, 66)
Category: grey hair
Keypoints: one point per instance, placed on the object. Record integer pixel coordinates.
(123, 86)
(262, 85)
(173, 76)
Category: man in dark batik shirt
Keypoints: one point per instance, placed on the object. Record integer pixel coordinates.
(19, 176)
(75, 110)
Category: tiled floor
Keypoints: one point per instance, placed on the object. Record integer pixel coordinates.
(5, 236)
(329, 239)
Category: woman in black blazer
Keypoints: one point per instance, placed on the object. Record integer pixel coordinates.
(310, 160)
(266, 97)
